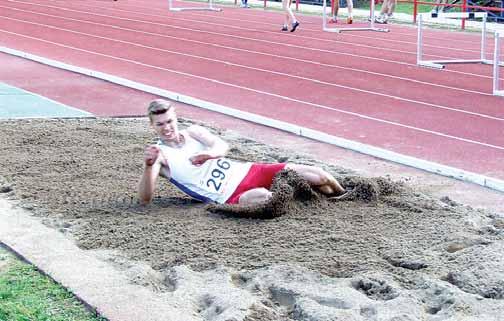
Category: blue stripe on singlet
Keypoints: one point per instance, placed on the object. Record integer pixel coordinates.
(191, 193)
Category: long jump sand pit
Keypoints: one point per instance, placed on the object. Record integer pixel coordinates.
(387, 252)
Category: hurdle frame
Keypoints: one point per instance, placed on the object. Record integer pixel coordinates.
(209, 8)
(496, 63)
(338, 30)
(440, 64)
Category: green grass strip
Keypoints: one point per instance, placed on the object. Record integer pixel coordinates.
(28, 295)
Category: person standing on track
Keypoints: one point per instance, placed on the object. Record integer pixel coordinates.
(387, 10)
(335, 8)
(289, 17)
(193, 160)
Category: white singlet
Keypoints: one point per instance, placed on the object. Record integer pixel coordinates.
(213, 181)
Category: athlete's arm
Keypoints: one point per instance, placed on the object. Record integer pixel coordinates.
(153, 161)
(215, 146)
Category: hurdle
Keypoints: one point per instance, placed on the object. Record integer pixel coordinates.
(496, 64)
(210, 7)
(439, 64)
(371, 26)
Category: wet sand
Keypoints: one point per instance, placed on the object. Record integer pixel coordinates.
(80, 176)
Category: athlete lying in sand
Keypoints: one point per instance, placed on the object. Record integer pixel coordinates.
(193, 159)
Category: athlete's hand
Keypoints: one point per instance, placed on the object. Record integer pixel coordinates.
(199, 159)
(151, 154)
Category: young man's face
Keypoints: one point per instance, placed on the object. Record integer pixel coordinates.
(166, 125)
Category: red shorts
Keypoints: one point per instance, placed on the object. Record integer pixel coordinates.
(259, 175)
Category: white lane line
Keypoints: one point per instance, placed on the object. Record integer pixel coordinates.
(490, 182)
(244, 13)
(305, 28)
(273, 42)
(315, 105)
(249, 22)
(265, 41)
(227, 63)
(251, 51)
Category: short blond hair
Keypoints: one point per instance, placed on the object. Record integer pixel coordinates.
(158, 107)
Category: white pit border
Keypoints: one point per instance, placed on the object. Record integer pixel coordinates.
(489, 182)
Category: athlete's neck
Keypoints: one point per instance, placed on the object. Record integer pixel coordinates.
(178, 142)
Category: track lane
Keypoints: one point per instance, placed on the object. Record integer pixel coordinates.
(326, 55)
(445, 39)
(212, 23)
(166, 19)
(234, 74)
(280, 111)
(270, 19)
(313, 71)
(118, 68)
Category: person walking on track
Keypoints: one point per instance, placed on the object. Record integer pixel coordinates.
(387, 10)
(335, 8)
(289, 17)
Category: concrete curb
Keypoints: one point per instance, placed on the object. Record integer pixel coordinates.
(95, 282)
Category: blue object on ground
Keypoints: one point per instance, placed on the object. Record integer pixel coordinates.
(19, 103)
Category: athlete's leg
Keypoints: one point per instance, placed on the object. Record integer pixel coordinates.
(350, 10)
(385, 7)
(391, 7)
(383, 12)
(334, 10)
(437, 6)
(285, 7)
(254, 196)
(289, 16)
(318, 178)
(286, 4)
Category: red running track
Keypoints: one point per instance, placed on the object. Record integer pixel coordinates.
(361, 86)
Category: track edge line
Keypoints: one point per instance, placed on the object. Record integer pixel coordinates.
(432, 167)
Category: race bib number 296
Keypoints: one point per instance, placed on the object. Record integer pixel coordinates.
(218, 174)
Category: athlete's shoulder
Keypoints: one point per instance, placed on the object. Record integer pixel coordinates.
(197, 130)
(201, 134)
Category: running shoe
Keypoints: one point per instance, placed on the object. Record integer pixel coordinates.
(349, 20)
(381, 20)
(284, 28)
(294, 26)
(333, 20)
